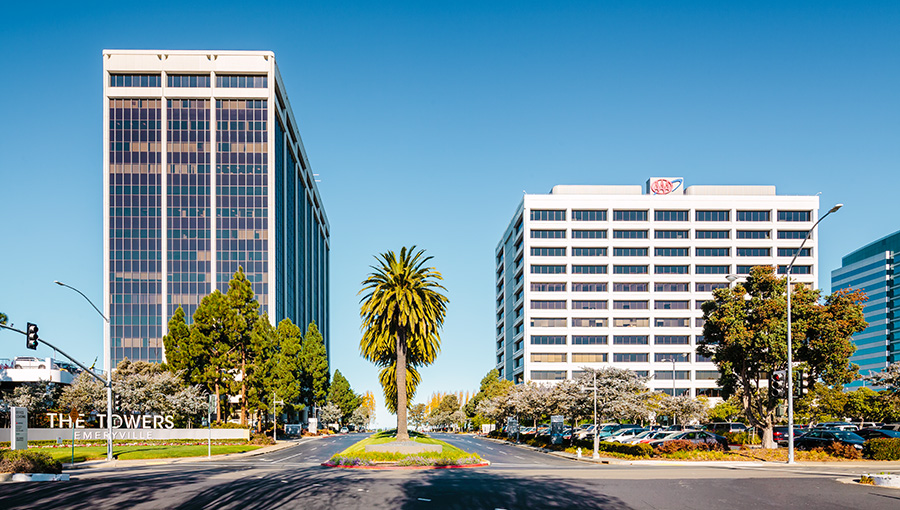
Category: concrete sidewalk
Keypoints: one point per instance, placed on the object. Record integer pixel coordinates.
(126, 463)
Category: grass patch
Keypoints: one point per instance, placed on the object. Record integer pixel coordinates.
(356, 455)
(83, 453)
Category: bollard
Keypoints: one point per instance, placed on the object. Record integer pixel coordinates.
(579, 452)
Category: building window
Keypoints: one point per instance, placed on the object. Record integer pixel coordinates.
(699, 322)
(672, 340)
(629, 215)
(589, 305)
(742, 269)
(548, 234)
(795, 270)
(671, 215)
(241, 81)
(631, 322)
(630, 287)
(671, 234)
(753, 215)
(630, 252)
(544, 215)
(588, 215)
(629, 234)
(666, 375)
(712, 215)
(548, 375)
(681, 269)
(790, 252)
(548, 340)
(706, 375)
(187, 80)
(548, 252)
(709, 287)
(672, 252)
(630, 357)
(712, 234)
(578, 269)
(588, 234)
(548, 357)
(671, 287)
(794, 215)
(588, 322)
(709, 392)
(548, 323)
(134, 80)
(630, 269)
(548, 287)
(713, 252)
(671, 305)
(792, 234)
(518, 345)
(679, 357)
(673, 322)
(699, 358)
(631, 340)
(548, 305)
(754, 252)
(547, 269)
(589, 357)
(588, 340)
(754, 234)
(630, 305)
(712, 269)
(698, 304)
(588, 287)
(588, 252)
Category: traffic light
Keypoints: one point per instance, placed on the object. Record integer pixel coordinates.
(778, 384)
(803, 386)
(31, 336)
(117, 403)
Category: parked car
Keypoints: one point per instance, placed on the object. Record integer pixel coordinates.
(625, 435)
(819, 438)
(658, 434)
(608, 428)
(837, 425)
(780, 433)
(585, 431)
(694, 436)
(345, 430)
(640, 436)
(682, 427)
(721, 427)
(877, 433)
(890, 426)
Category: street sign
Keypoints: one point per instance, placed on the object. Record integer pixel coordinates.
(19, 428)
(512, 426)
(74, 415)
(556, 429)
(212, 404)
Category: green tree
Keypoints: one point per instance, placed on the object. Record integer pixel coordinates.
(182, 356)
(745, 334)
(491, 386)
(210, 339)
(402, 313)
(340, 394)
(417, 415)
(287, 373)
(242, 314)
(3, 318)
(727, 410)
(314, 366)
(823, 403)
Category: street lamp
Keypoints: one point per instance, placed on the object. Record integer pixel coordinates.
(596, 454)
(790, 357)
(107, 383)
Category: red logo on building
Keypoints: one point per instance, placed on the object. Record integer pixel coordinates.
(661, 187)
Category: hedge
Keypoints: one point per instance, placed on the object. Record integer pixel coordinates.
(882, 449)
(28, 461)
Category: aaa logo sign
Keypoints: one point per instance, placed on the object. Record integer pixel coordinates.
(665, 186)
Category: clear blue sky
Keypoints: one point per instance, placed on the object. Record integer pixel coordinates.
(427, 120)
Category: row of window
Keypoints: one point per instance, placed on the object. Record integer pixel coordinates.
(619, 322)
(626, 286)
(188, 80)
(620, 357)
(666, 215)
(668, 234)
(667, 252)
(617, 305)
(657, 269)
(604, 339)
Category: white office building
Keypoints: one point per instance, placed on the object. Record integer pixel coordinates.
(589, 276)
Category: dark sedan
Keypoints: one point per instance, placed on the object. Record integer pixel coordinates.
(819, 438)
(694, 436)
(877, 433)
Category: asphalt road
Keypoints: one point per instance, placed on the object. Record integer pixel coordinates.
(518, 478)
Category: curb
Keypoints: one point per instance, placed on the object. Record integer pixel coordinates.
(483, 464)
(32, 477)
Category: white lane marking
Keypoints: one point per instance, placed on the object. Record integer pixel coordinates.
(489, 448)
(286, 458)
(314, 448)
(423, 499)
(504, 453)
(516, 456)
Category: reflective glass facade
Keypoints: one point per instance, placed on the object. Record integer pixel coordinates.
(197, 187)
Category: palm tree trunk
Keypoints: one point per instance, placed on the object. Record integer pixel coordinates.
(402, 433)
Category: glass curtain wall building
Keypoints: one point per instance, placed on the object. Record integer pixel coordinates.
(204, 172)
(588, 276)
(871, 268)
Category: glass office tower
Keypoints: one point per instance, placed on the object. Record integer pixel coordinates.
(204, 172)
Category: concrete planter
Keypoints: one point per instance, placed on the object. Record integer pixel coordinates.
(33, 477)
(886, 480)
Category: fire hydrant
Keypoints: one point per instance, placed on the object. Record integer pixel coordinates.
(579, 453)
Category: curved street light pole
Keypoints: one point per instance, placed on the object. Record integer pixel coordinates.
(108, 383)
(790, 354)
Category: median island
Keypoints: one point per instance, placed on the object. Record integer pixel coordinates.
(432, 454)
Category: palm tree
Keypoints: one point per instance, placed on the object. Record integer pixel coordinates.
(402, 313)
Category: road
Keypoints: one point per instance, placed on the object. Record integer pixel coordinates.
(518, 478)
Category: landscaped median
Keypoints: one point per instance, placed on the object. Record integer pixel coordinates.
(163, 449)
(449, 457)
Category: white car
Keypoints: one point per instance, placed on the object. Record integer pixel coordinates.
(625, 435)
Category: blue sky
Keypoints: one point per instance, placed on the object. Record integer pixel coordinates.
(427, 120)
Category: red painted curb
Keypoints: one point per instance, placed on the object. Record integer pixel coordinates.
(484, 464)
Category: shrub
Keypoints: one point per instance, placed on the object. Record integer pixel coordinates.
(742, 438)
(683, 445)
(882, 449)
(847, 451)
(29, 461)
(261, 439)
